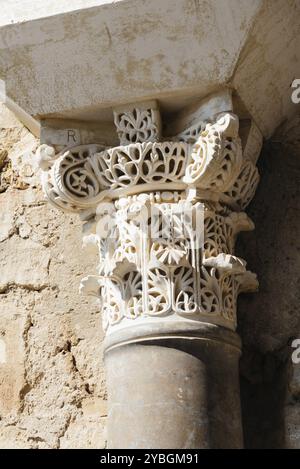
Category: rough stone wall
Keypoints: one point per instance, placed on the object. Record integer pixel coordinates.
(52, 387)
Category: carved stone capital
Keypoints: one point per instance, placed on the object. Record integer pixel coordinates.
(194, 186)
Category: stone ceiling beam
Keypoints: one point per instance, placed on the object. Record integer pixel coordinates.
(80, 64)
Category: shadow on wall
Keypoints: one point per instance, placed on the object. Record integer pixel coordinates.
(270, 319)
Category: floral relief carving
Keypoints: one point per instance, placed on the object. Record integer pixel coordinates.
(185, 301)
(137, 126)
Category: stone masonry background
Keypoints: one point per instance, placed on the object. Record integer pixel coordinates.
(52, 390)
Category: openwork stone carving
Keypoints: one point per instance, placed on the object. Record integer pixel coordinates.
(164, 216)
(243, 189)
(83, 176)
(145, 274)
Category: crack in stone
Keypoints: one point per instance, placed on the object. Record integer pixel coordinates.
(27, 386)
(68, 348)
(64, 431)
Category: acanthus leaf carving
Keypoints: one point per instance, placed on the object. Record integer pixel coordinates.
(142, 275)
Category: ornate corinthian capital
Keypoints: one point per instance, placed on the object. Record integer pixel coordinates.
(164, 214)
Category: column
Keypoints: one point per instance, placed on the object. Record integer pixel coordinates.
(163, 214)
